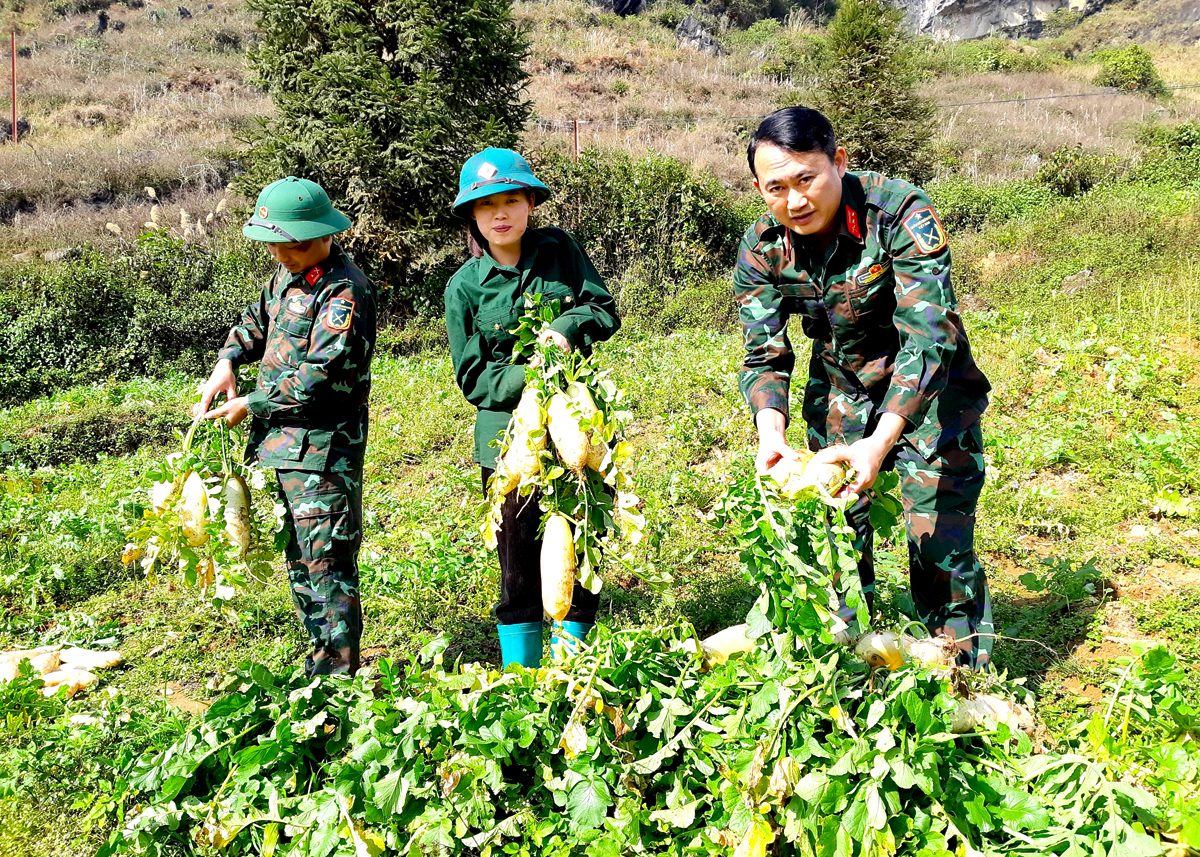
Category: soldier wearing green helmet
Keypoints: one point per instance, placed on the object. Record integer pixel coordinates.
(497, 193)
(312, 331)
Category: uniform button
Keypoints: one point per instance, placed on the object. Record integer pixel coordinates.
(567, 301)
(496, 326)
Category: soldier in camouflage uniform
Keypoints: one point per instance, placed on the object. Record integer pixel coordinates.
(865, 262)
(313, 329)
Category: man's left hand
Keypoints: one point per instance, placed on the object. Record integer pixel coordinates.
(864, 456)
(233, 411)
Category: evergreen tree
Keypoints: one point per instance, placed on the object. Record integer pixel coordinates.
(380, 102)
(867, 87)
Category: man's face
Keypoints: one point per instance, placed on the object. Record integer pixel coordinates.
(503, 218)
(803, 190)
(302, 255)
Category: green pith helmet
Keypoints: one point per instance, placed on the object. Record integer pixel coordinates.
(293, 210)
(495, 171)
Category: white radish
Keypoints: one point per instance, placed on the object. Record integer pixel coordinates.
(237, 513)
(193, 510)
(570, 441)
(558, 567)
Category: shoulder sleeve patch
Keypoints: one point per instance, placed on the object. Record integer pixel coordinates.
(926, 230)
(339, 314)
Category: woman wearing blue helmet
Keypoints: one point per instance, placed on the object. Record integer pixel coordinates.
(497, 192)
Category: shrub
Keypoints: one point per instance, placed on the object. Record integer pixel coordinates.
(381, 101)
(164, 304)
(867, 88)
(654, 218)
(964, 204)
(1130, 68)
(1070, 171)
(1173, 154)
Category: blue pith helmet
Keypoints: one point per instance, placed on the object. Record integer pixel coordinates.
(495, 171)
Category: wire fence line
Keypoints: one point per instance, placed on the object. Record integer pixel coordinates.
(569, 126)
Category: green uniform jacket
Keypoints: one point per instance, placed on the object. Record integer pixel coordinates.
(880, 309)
(484, 301)
(314, 333)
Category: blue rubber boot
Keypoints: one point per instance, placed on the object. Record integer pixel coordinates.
(567, 637)
(521, 644)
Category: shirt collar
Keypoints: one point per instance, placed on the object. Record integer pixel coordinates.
(531, 242)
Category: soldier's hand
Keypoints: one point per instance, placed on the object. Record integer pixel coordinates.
(553, 337)
(222, 380)
(233, 411)
(864, 456)
(772, 448)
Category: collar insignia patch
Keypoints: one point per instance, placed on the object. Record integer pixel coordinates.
(852, 223)
(313, 275)
(926, 230)
(340, 314)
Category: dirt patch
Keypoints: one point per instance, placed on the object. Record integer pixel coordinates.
(177, 698)
(1090, 692)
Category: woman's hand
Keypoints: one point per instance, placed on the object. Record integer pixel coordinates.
(550, 337)
(233, 411)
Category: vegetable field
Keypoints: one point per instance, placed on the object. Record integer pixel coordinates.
(206, 741)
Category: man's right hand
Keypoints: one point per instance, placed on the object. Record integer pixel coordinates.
(772, 444)
(222, 380)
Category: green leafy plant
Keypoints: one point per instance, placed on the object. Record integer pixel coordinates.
(1130, 68)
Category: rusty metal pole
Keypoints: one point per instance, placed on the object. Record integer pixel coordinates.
(14, 84)
(576, 141)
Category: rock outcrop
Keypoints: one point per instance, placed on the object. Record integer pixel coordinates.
(691, 34)
(973, 19)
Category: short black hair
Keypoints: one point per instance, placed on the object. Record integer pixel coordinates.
(794, 129)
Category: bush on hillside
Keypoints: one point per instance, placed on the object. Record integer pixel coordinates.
(1071, 170)
(653, 219)
(1130, 68)
(165, 304)
(381, 102)
(1173, 154)
(963, 204)
(867, 87)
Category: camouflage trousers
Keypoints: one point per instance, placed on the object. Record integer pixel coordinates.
(949, 586)
(324, 511)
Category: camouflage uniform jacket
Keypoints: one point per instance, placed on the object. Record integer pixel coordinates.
(314, 333)
(881, 312)
(484, 301)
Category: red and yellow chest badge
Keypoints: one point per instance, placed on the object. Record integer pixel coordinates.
(926, 230)
(852, 223)
(339, 315)
(872, 274)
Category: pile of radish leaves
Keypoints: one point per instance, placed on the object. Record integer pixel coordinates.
(638, 746)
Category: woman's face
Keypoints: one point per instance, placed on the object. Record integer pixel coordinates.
(503, 217)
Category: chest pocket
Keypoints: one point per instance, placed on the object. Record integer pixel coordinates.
(802, 299)
(867, 291)
(294, 324)
(560, 292)
(496, 324)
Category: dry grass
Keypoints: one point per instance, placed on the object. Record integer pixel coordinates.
(998, 139)
(162, 103)
(157, 104)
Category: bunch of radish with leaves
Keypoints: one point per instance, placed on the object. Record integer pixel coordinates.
(565, 441)
(201, 522)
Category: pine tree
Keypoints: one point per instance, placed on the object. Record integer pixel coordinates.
(867, 87)
(380, 102)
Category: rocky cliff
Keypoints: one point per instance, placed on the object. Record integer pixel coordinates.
(973, 19)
